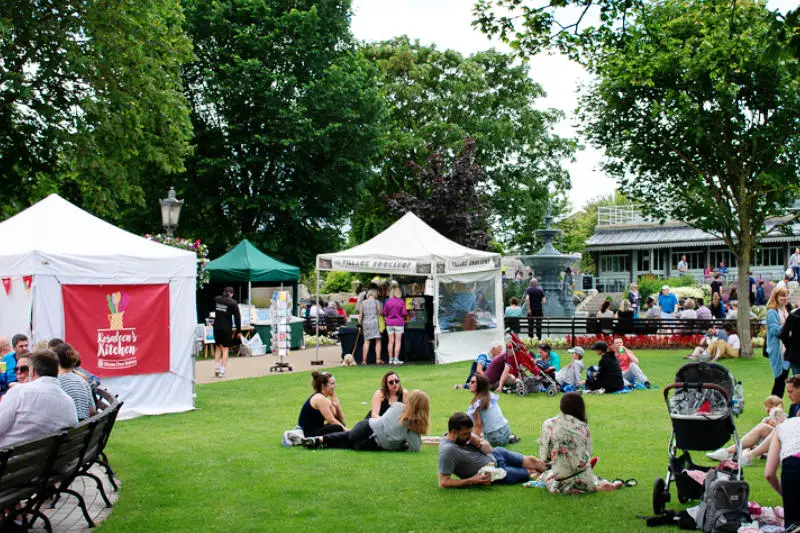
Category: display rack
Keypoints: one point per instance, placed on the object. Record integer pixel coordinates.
(279, 321)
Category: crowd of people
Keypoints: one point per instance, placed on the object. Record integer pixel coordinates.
(471, 452)
(43, 391)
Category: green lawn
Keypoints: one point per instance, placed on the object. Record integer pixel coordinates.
(221, 468)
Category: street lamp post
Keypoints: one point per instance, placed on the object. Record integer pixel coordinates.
(170, 212)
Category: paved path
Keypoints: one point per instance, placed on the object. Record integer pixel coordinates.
(67, 517)
(256, 366)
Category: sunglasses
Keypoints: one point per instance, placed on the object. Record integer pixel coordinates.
(393, 381)
(472, 381)
(22, 369)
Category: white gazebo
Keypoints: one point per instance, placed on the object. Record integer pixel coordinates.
(55, 243)
(465, 281)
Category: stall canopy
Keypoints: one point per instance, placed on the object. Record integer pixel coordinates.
(244, 263)
(465, 281)
(64, 251)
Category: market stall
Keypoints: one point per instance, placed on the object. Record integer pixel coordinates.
(246, 264)
(127, 304)
(465, 284)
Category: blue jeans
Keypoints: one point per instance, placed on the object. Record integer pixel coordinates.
(796, 272)
(511, 462)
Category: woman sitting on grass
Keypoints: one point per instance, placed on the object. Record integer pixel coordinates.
(390, 393)
(399, 429)
(322, 412)
(566, 446)
(725, 349)
(490, 424)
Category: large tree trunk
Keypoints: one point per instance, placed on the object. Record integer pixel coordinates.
(743, 288)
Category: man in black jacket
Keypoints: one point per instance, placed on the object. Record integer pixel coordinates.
(790, 336)
(608, 375)
(225, 311)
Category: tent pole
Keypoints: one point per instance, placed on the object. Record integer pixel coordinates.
(316, 360)
(249, 292)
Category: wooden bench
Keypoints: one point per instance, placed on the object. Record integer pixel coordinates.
(32, 472)
(574, 326)
(329, 325)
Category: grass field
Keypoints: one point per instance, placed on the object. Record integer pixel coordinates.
(221, 467)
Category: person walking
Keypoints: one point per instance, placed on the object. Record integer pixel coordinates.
(776, 316)
(794, 263)
(535, 298)
(225, 310)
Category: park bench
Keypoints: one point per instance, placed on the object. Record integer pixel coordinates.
(575, 326)
(33, 472)
(329, 325)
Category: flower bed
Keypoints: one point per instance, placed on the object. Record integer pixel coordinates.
(650, 342)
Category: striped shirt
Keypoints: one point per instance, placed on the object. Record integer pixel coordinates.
(80, 392)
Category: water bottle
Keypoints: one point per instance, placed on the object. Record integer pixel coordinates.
(738, 398)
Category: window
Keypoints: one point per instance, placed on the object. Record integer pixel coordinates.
(643, 261)
(695, 259)
(722, 255)
(615, 263)
(659, 261)
(773, 256)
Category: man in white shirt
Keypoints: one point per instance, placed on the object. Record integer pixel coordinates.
(38, 408)
(683, 266)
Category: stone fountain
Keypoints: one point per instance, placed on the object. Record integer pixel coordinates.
(548, 264)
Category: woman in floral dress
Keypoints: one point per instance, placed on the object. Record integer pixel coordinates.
(566, 446)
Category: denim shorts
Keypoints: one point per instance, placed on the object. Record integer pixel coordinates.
(397, 330)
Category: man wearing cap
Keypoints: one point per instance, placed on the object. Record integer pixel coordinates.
(668, 302)
(607, 375)
(653, 311)
(571, 374)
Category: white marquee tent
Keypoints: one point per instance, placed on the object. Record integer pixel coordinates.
(411, 247)
(57, 243)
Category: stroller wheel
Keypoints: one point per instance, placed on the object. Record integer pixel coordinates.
(522, 391)
(551, 391)
(660, 496)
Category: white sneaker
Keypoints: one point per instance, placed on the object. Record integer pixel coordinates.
(398, 362)
(747, 459)
(292, 437)
(719, 455)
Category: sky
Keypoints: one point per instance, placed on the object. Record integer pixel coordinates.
(447, 24)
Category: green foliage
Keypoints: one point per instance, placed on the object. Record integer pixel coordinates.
(174, 468)
(650, 285)
(698, 118)
(514, 289)
(91, 105)
(338, 282)
(191, 245)
(579, 226)
(349, 308)
(438, 98)
(288, 119)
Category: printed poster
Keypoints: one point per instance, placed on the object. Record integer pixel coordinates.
(119, 330)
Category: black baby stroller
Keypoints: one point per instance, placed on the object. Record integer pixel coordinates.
(701, 411)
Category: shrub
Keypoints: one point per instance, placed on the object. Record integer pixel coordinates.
(650, 285)
(349, 308)
(337, 282)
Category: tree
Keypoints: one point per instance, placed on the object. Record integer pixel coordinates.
(436, 99)
(699, 121)
(452, 201)
(287, 119)
(90, 100)
(579, 226)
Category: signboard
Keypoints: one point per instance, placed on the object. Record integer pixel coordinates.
(119, 330)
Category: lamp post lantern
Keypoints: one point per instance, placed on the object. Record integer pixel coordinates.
(170, 212)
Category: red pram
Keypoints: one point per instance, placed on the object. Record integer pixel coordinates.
(530, 377)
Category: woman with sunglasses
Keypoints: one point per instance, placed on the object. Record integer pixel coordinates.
(23, 369)
(390, 393)
(490, 424)
(399, 429)
(322, 413)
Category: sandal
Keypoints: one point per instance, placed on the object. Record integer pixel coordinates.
(380, 362)
(513, 439)
(626, 483)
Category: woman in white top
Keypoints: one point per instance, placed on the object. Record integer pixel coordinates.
(689, 310)
(726, 349)
(785, 449)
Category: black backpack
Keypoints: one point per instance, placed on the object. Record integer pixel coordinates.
(724, 506)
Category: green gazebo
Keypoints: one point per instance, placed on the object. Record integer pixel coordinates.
(245, 263)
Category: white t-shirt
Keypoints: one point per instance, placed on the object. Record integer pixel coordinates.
(789, 434)
(689, 314)
(733, 340)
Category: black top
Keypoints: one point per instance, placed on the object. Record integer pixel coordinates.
(225, 309)
(535, 295)
(385, 404)
(790, 336)
(310, 419)
(794, 409)
(609, 376)
(716, 286)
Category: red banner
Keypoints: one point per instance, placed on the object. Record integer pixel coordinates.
(119, 330)
(7, 285)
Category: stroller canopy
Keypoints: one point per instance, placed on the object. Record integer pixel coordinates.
(706, 373)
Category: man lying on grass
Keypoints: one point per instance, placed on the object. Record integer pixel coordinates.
(475, 462)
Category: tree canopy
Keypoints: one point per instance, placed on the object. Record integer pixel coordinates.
(287, 119)
(436, 99)
(698, 118)
(90, 100)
